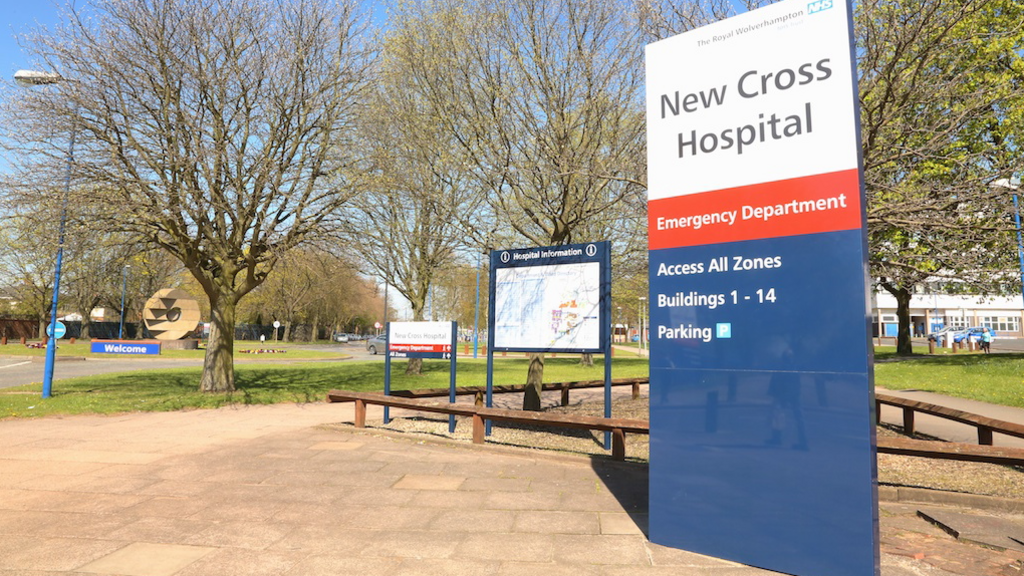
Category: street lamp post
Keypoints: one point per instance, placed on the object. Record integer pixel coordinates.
(620, 324)
(476, 312)
(35, 78)
(642, 299)
(124, 289)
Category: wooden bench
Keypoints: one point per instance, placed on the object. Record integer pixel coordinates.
(618, 427)
(951, 451)
(986, 426)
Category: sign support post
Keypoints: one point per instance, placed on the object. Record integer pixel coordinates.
(387, 369)
(451, 374)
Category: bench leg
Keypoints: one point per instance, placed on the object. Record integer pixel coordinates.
(908, 421)
(565, 396)
(478, 429)
(984, 436)
(636, 390)
(360, 414)
(618, 444)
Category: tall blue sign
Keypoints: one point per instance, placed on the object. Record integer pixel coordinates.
(762, 432)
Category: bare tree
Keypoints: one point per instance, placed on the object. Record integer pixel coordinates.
(942, 99)
(663, 18)
(543, 101)
(211, 128)
(408, 223)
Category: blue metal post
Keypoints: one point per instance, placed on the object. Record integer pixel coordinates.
(51, 345)
(387, 363)
(451, 370)
(606, 330)
(490, 341)
(124, 289)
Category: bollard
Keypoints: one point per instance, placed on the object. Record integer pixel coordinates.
(3, 341)
(931, 346)
(72, 339)
(22, 340)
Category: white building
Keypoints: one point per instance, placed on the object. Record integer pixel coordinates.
(930, 312)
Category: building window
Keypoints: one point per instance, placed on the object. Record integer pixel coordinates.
(1001, 323)
(957, 322)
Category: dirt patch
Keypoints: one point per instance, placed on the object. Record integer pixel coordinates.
(893, 470)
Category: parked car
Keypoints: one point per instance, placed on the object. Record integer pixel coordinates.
(972, 334)
(376, 344)
(940, 334)
(340, 337)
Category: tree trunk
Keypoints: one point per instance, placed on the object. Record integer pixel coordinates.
(904, 346)
(415, 367)
(534, 381)
(314, 334)
(86, 323)
(587, 360)
(219, 364)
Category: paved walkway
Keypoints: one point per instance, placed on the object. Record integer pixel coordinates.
(265, 490)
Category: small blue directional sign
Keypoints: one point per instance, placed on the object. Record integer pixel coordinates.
(61, 330)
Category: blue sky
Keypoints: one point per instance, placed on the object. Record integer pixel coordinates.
(19, 16)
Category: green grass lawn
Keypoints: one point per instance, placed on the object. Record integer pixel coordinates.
(177, 389)
(995, 378)
(81, 348)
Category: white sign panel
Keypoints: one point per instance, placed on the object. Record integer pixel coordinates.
(420, 337)
(548, 307)
(784, 114)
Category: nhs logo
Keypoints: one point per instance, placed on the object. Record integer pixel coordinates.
(819, 6)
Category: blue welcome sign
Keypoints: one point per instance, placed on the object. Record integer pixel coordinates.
(126, 347)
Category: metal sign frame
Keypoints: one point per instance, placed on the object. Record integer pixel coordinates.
(590, 253)
(447, 351)
(762, 428)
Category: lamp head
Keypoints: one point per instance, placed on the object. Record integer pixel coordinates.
(36, 78)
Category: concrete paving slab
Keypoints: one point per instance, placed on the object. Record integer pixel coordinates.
(622, 523)
(984, 529)
(473, 521)
(336, 446)
(265, 492)
(144, 559)
(55, 554)
(429, 482)
(557, 522)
